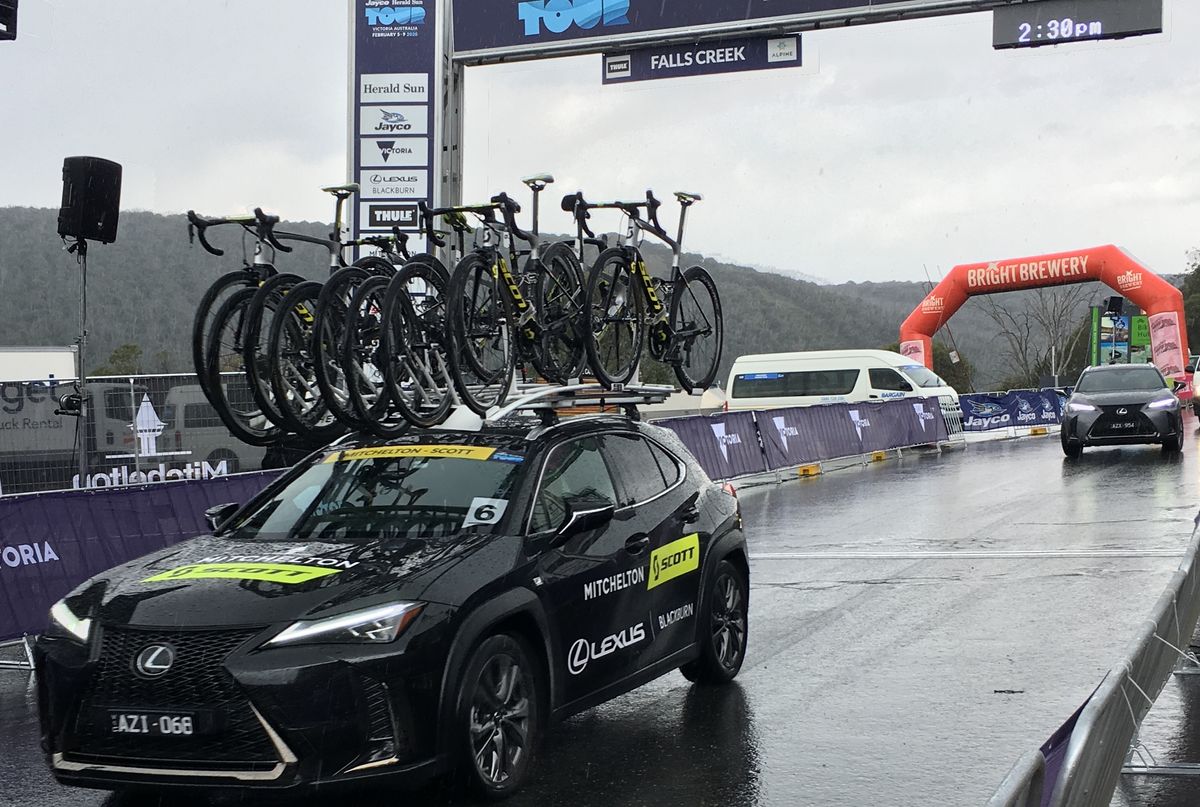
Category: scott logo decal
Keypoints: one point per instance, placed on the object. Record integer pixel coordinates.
(559, 15)
(674, 560)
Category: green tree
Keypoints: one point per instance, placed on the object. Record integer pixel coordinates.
(125, 359)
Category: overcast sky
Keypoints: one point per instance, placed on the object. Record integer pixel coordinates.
(899, 146)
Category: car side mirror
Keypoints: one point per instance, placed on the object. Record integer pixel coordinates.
(582, 517)
(219, 514)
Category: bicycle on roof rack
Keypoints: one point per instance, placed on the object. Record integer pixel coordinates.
(681, 315)
(509, 305)
(235, 329)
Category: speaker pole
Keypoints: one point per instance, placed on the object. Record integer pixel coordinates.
(83, 396)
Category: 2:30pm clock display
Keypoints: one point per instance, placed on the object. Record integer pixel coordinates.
(1051, 22)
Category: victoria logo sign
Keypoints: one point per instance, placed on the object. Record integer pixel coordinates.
(556, 16)
(724, 441)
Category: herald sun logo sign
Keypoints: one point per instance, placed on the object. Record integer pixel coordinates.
(1129, 281)
(933, 305)
(724, 441)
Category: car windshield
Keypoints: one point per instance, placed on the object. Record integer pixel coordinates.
(1133, 378)
(389, 492)
(923, 376)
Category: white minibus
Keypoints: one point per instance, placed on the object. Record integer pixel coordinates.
(773, 380)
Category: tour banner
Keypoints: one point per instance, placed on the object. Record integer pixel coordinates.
(726, 445)
(1011, 410)
(52, 542)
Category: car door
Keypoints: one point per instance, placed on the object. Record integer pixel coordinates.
(593, 587)
(659, 515)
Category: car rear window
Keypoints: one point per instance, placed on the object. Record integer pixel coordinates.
(795, 384)
(1125, 378)
(390, 492)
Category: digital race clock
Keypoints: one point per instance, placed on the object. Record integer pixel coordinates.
(1049, 22)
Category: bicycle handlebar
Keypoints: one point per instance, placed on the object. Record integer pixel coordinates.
(509, 208)
(196, 227)
(266, 229)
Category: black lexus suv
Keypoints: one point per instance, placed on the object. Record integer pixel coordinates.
(408, 608)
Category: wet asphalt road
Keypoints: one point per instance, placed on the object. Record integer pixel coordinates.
(916, 625)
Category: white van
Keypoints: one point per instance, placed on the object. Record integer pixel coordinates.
(773, 380)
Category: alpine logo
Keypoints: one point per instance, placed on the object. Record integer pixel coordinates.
(860, 422)
(933, 305)
(393, 122)
(724, 441)
(785, 431)
(1129, 280)
(396, 15)
(559, 15)
(583, 651)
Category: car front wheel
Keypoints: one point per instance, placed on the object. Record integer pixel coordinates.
(498, 716)
(723, 628)
(1174, 444)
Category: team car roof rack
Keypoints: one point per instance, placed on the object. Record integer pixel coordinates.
(548, 401)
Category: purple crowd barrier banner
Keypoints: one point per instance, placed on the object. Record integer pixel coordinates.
(52, 542)
(726, 445)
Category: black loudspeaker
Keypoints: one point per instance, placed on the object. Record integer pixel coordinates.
(1114, 305)
(91, 199)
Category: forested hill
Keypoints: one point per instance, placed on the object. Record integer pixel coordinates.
(143, 290)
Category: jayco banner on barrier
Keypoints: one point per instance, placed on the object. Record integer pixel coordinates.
(52, 542)
(1011, 410)
(741, 443)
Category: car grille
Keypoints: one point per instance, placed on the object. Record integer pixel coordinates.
(1108, 424)
(197, 680)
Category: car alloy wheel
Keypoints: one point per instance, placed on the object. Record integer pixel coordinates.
(499, 703)
(728, 621)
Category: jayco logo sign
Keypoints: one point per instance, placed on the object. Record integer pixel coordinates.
(556, 16)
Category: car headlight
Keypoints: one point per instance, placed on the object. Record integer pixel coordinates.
(377, 625)
(65, 618)
(1165, 403)
(1079, 406)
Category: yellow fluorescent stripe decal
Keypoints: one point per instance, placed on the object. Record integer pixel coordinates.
(674, 560)
(272, 572)
(386, 452)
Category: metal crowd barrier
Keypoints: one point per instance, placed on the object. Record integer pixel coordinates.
(1107, 726)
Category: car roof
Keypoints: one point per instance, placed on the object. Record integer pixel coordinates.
(517, 435)
(1118, 368)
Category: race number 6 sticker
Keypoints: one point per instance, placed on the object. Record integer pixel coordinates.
(485, 511)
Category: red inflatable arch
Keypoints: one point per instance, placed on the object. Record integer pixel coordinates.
(1111, 265)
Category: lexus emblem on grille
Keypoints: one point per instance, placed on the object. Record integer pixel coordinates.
(1122, 411)
(155, 660)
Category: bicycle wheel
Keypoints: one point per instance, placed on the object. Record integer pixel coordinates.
(697, 329)
(616, 308)
(329, 333)
(224, 374)
(362, 360)
(482, 348)
(293, 374)
(260, 313)
(206, 311)
(559, 295)
(416, 369)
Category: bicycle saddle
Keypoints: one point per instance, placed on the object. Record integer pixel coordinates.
(539, 179)
(688, 198)
(342, 190)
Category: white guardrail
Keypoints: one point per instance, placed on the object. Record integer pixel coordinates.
(1107, 726)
